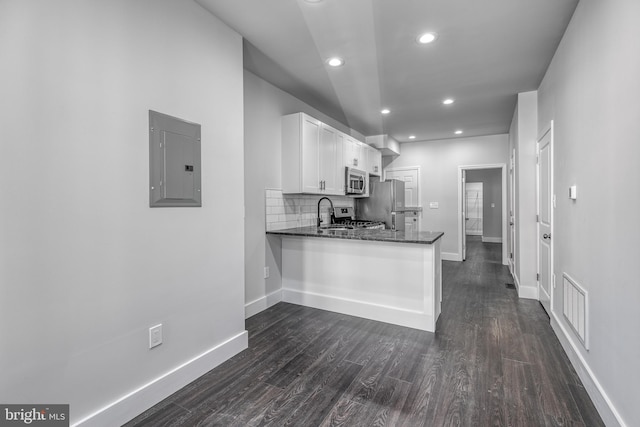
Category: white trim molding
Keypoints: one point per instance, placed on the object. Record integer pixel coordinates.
(451, 256)
(381, 313)
(503, 168)
(527, 292)
(256, 306)
(137, 401)
(601, 400)
(491, 239)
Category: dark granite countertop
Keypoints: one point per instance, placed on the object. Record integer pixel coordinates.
(421, 237)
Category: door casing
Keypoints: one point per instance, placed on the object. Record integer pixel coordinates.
(461, 201)
(544, 249)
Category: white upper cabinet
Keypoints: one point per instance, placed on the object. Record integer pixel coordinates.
(300, 151)
(311, 156)
(339, 166)
(355, 155)
(374, 161)
(328, 160)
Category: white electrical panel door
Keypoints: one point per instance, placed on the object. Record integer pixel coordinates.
(174, 162)
(178, 171)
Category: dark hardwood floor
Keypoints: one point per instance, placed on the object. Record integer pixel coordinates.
(494, 361)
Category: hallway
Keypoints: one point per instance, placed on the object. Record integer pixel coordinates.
(510, 356)
(494, 360)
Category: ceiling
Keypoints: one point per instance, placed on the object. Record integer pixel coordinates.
(485, 54)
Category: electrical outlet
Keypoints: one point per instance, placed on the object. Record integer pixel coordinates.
(155, 335)
(266, 272)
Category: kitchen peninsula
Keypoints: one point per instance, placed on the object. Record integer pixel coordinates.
(385, 275)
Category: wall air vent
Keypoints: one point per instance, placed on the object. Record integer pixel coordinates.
(576, 308)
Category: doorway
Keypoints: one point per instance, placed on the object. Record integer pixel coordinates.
(494, 205)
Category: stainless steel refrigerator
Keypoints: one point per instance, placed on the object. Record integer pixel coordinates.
(385, 203)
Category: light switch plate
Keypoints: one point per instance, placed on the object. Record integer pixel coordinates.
(155, 335)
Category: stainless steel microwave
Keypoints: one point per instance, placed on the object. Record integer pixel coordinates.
(356, 181)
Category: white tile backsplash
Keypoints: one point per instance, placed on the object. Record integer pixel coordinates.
(297, 210)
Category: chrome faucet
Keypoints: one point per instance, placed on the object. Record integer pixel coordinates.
(331, 203)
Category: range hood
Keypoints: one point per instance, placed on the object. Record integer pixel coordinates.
(386, 144)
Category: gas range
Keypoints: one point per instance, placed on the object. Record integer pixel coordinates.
(345, 216)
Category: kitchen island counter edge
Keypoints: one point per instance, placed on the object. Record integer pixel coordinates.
(420, 237)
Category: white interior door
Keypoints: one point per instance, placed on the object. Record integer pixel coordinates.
(411, 178)
(473, 200)
(545, 219)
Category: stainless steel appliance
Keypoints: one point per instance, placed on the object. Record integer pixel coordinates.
(355, 181)
(385, 203)
(345, 216)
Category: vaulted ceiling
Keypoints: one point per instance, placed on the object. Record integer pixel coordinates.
(486, 52)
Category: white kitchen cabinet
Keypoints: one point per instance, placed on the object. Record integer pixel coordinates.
(411, 221)
(311, 154)
(340, 166)
(328, 161)
(347, 276)
(374, 161)
(355, 155)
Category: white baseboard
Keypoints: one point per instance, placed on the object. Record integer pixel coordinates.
(136, 402)
(381, 313)
(261, 304)
(603, 404)
(491, 239)
(450, 256)
(473, 233)
(527, 292)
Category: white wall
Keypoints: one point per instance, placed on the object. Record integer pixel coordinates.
(592, 92)
(491, 180)
(438, 162)
(264, 105)
(87, 266)
(523, 136)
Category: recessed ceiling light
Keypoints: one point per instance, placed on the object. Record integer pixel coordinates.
(335, 61)
(412, 137)
(385, 111)
(458, 132)
(448, 101)
(427, 38)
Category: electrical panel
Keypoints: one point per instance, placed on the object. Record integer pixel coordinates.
(174, 162)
